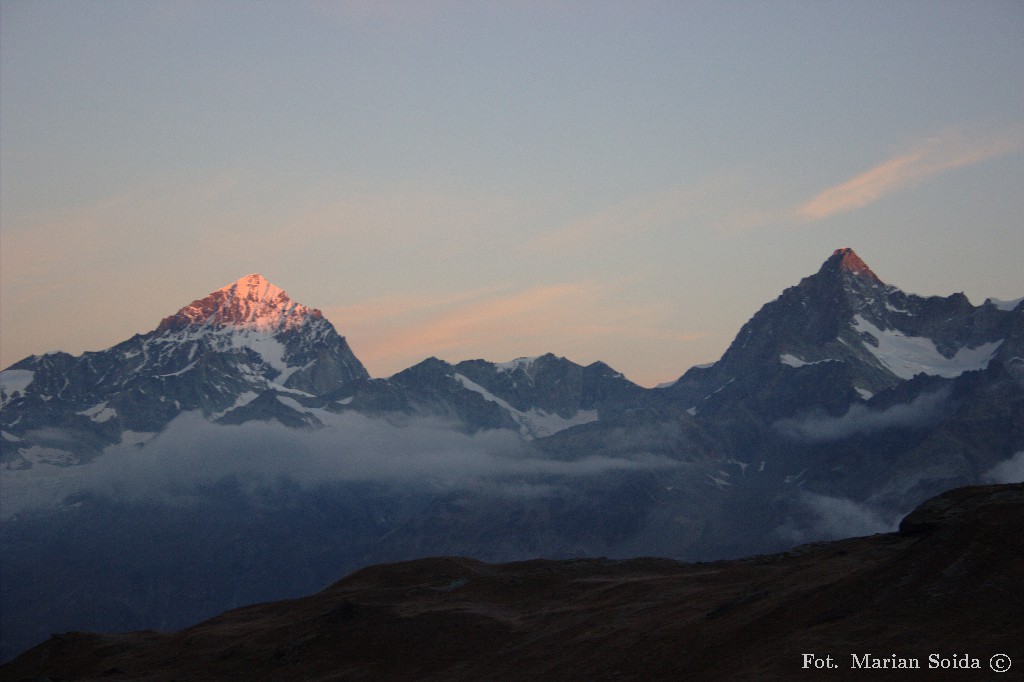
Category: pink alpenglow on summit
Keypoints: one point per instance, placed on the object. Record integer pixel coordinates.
(248, 303)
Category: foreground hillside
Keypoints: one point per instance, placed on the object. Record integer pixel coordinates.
(945, 590)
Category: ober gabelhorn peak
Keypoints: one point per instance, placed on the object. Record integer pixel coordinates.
(846, 260)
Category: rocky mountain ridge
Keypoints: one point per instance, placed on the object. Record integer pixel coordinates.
(866, 335)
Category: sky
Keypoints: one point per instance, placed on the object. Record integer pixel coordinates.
(619, 181)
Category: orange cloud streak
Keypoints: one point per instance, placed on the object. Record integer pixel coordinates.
(937, 156)
(528, 312)
(394, 332)
(397, 328)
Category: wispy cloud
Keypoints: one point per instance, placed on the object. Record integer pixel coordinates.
(725, 204)
(937, 155)
(637, 332)
(1008, 471)
(402, 329)
(406, 305)
(630, 216)
(821, 517)
(817, 426)
(576, 319)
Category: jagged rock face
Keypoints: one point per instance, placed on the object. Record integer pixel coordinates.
(535, 396)
(843, 335)
(215, 355)
(553, 384)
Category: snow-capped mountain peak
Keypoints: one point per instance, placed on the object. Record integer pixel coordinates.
(245, 351)
(251, 302)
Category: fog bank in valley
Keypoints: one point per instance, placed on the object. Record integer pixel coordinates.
(192, 453)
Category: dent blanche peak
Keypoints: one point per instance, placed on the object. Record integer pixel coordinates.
(251, 302)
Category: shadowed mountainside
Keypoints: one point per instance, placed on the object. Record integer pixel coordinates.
(948, 583)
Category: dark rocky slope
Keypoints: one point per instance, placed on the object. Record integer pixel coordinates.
(948, 583)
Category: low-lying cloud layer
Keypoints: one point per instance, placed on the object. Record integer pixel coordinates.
(817, 426)
(1009, 471)
(191, 453)
(830, 518)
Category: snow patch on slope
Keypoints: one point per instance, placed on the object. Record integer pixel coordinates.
(262, 342)
(15, 381)
(242, 400)
(513, 365)
(1005, 305)
(906, 356)
(99, 413)
(535, 423)
(182, 370)
(794, 361)
(267, 347)
(292, 403)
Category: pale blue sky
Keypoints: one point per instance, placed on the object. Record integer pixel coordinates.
(617, 181)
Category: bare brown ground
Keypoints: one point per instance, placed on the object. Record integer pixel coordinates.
(951, 583)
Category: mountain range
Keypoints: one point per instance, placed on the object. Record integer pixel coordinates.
(240, 452)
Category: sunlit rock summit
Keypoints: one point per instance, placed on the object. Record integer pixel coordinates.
(250, 303)
(286, 344)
